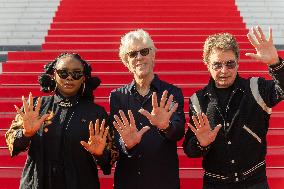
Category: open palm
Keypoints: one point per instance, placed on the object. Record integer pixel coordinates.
(160, 114)
(202, 130)
(265, 50)
(128, 130)
(97, 139)
(31, 118)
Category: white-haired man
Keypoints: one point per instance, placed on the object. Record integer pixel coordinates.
(147, 137)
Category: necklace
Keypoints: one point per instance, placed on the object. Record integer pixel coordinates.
(67, 125)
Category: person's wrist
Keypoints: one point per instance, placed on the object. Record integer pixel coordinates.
(131, 145)
(274, 61)
(202, 146)
(165, 128)
(98, 154)
(27, 134)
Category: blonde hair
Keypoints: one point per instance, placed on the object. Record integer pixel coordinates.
(220, 41)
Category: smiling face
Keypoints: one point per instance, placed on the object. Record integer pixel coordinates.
(141, 66)
(68, 87)
(225, 76)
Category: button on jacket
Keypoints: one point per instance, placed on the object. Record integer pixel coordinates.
(238, 153)
(153, 163)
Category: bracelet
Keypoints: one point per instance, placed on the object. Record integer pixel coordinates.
(203, 148)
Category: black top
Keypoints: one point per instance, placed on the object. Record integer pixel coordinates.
(223, 95)
(54, 140)
(153, 163)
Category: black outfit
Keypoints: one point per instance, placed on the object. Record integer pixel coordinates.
(56, 159)
(153, 163)
(236, 159)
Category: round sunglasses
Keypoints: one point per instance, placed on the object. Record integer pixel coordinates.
(63, 74)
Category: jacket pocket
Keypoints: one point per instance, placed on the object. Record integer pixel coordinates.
(253, 134)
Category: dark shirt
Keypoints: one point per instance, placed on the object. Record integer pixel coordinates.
(54, 143)
(223, 96)
(153, 163)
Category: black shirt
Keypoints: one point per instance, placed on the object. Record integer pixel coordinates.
(54, 143)
(153, 163)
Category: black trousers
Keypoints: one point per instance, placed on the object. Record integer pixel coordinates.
(262, 185)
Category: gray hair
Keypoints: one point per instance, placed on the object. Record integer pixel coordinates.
(220, 41)
(129, 38)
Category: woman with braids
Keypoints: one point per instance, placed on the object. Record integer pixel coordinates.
(54, 129)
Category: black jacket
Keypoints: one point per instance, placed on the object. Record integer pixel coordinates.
(80, 166)
(153, 163)
(241, 143)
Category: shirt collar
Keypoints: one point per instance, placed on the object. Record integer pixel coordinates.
(154, 85)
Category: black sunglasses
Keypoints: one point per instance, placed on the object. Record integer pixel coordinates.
(63, 74)
(230, 64)
(143, 52)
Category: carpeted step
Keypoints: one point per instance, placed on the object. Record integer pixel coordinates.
(152, 31)
(146, 18)
(152, 12)
(7, 105)
(274, 137)
(186, 77)
(116, 66)
(116, 38)
(189, 178)
(273, 158)
(112, 54)
(66, 46)
(276, 121)
(161, 25)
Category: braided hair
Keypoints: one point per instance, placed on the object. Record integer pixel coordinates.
(48, 83)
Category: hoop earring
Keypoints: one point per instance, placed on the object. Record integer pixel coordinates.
(83, 90)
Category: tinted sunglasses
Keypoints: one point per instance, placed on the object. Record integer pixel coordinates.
(63, 74)
(143, 52)
(230, 64)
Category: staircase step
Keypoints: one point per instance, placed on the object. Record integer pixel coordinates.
(274, 138)
(152, 12)
(189, 177)
(112, 54)
(146, 18)
(186, 77)
(116, 38)
(160, 25)
(7, 105)
(273, 159)
(66, 46)
(160, 66)
(152, 31)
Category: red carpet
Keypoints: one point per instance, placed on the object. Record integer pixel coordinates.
(94, 28)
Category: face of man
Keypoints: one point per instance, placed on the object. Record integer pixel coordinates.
(140, 59)
(223, 67)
